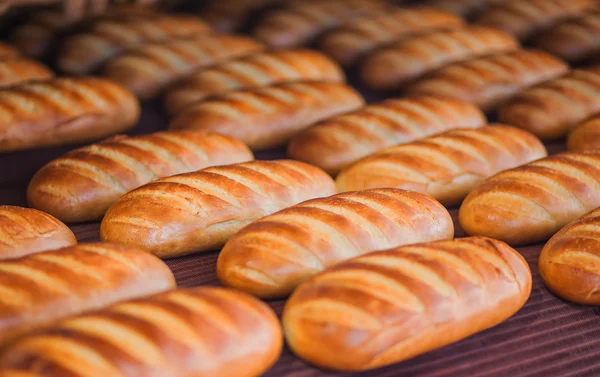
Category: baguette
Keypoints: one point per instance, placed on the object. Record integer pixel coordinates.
(338, 142)
(402, 62)
(446, 167)
(348, 43)
(551, 109)
(200, 211)
(40, 289)
(185, 333)
(81, 185)
(25, 231)
(269, 117)
(254, 71)
(272, 256)
(392, 305)
(15, 71)
(8, 51)
(568, 263)
(585, 136)
(463, 8)
(490, 81)
(149, 70)
(64, 111)
(531, 203)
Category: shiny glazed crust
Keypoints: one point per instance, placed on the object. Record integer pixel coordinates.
(585, 136)
(15, 71)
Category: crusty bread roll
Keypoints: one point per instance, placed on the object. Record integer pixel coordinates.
(551, 109)
(395, 65)
(85, 53)
(348, 43)
(446, 167)
(64, 111)
(149, 70)
(185, 333)
(8, 51)
(272, 256)
(392, 305)
(269, 117)
(490, 81)
(532, 202)
(81, 185)
(26, 231)
(43, 288)
(255, 71)
(14, 71)
(342, 140)
(463, 8)
(200, 211)
(585, 135)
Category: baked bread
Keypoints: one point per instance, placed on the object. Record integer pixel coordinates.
(395, 65)
(64, 111)
(87, 52)
(185, 333)
(446, 167)
(149, 70)
(392, 305)
(228, 16)
(568, 261)
(254, 71)
(200, 211)
(531, 203)
(15, 71)
(339, 141)
(348, 43)
(268, 117)
(40, 289)
(272, 256)
(490, 81)
(81, 185)
(585, 135)
(26, 231)
(551, 109)
(463, 8)
(8, 51)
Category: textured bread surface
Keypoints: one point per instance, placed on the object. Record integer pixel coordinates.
(81, 185)
(200, 211)
(531, 203)
(40, 289)
(185, 333)
(339, 141)
(585, 136)
(446, 167)
(64, 111)
(269, 117)
(389, 306)
(271, 256)
(8, 51)
(463, 8)
(15, 71)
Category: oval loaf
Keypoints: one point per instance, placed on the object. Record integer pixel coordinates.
(185, 333)
(15, 71)
(532, 202)
(392, 305)
(585, 135)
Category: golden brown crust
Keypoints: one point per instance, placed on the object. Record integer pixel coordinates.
(8, 51)
(200, 211)
(532, 202)
(15, 71)
(43, 288)
(269, 117)
(585, 136)
(64, 111)
(185, 333)
(389, 306)
(81, 185)
(337, 142)
(463, 8)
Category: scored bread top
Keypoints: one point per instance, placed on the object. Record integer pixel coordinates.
(15, 71)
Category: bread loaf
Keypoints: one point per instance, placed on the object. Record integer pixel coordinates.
(8, 51)
(87, 52)
(64, 111)
(342, 140)
(532, 202)
(490, 81)
(446, 167)
(348, 43)
(255, 71)
(551, 109)
(149, 70)
(392, 305)
(185, 333)
(268, 117)
(272, 256)
(200, 211)
(395, 65)
(463, 8)
(585, 135)
(26, 231)
(14, 71)
(40, 289)
(81, 185)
